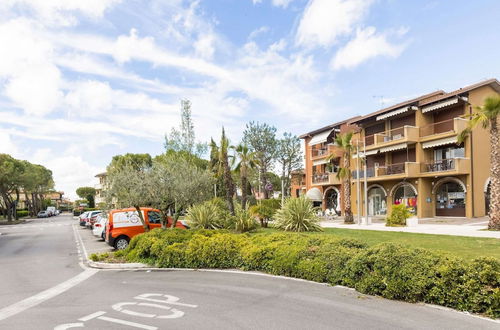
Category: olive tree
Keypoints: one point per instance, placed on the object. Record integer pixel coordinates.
(175, 184)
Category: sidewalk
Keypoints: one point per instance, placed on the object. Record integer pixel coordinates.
(474, 229)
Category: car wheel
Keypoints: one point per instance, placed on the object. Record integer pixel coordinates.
(121, 243)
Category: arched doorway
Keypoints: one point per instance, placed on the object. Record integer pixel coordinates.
(406, 194)
(450, 198)
(487, 196)
(332, 200)
(315, 195)
(377, 201)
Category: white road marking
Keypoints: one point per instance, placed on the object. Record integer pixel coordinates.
(91, 316)
(79, 237)
(172, 300)
(131, 324)
(174, 315)
(45, 295)
(68, 326)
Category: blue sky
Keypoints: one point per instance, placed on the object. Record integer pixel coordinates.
(83, 80)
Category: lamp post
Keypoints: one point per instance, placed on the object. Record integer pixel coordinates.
(358, 183)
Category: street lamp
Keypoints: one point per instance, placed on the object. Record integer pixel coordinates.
(358, 186)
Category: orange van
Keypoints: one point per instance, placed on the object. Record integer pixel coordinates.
(124, 224)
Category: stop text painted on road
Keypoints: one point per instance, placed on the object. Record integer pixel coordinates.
(154, 300)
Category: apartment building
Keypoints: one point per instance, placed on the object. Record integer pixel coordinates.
(412, 157)
(100, 188)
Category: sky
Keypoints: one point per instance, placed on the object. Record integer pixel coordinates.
(84, 80)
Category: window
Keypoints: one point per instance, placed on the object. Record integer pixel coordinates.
(449, 153)
(406, 195)
(154, 217)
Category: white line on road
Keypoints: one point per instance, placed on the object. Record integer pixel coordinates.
(45, 295)
(131, 324)
(91, 316)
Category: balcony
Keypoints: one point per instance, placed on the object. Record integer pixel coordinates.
(326, 178)
(442, 129)
(325, 151)
(452, 166)
(394, 136)
(391, 172)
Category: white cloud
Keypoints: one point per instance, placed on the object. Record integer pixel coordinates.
(60, 12)
(204, 46)
(324, 21)
(31, 80)
(276, 3)
(366, 45)
(255, 33)
(7, 146)
(69, 171)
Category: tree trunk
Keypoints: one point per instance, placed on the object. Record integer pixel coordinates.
(175, 217)
(228, 181)
(494, 222)
(346, 185)
(243, 191)
(144, 224)
(263, 183)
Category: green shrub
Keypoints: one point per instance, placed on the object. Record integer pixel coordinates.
(244, 221)
(264, 210)
(398, 216)
(22, 213)
(297, 214)
(204, 216)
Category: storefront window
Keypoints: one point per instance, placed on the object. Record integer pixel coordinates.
(450, 200)
(406, 195)
(376, 202)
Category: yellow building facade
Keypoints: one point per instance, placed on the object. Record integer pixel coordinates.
(412, 157)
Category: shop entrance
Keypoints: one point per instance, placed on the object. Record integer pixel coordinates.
(376, 202)
(450, 200)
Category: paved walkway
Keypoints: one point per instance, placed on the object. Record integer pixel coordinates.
(473, 228)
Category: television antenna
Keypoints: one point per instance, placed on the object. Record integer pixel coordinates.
(380, 100)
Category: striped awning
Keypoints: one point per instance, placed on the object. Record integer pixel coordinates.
(396, 112)
(443, 104)
(368, 153)
(319, 162)
(320, 138)
(394, 147)
(440, 142)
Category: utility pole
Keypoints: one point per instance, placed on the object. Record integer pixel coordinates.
(366, 185)
(358, 191)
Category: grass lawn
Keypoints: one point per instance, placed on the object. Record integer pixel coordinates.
(465, 247)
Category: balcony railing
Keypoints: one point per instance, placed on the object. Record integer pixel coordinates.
(319, 152)
(439, 165)
(409, 169)
(320, 178)
(407, 133)
(455, 125)
(392, 169)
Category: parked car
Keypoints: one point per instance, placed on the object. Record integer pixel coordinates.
(51, 210)
(82, 218)
(42, 214)
(90, 219)
(124, 224)
(100, 226)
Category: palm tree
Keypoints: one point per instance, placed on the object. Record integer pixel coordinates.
(247, 160)
(343, 141)
(220, 162)
(488, 117)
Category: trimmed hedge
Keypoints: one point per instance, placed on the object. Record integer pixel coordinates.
(388, 270)
(22, 213)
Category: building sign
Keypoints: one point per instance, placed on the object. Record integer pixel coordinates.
(456, 195)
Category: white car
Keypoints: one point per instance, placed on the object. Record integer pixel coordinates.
(100, 226)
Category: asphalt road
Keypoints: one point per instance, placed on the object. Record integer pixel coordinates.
(111, 299)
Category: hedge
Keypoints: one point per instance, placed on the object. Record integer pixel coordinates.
(388, 270)
(22, 213)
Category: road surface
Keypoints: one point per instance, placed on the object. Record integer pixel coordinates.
(42, 254)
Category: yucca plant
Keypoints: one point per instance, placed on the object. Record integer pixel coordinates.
(204, 216)
(244, 220)
(297, 214)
